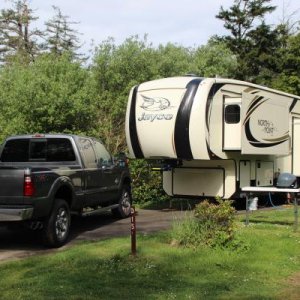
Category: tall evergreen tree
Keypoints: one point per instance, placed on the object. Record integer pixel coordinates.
(17, 39)
(245, 21)
(240, 18)
(60, 37)
(289, 78)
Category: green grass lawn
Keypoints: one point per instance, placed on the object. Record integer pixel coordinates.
(268, 253)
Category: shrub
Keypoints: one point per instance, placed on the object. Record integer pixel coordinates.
(216, 221)
(212, 225)
(146, 184)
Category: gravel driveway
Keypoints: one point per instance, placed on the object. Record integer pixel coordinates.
(15, 244)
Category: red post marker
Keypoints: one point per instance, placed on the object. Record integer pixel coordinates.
(133, 232)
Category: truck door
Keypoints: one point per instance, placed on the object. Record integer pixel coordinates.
(110, 172)
(92, 174)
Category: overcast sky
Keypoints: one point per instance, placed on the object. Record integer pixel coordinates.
(184, 22)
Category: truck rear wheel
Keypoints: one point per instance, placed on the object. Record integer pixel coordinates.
(125, 201)
(57, 226)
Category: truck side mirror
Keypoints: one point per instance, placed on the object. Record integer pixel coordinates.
(121, 159)
(100, 162)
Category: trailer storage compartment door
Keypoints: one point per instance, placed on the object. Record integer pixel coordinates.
(265, 124)
(264, 173)
(198, 182)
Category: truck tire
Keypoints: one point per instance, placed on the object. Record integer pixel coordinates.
(125, 201)
(57, 226)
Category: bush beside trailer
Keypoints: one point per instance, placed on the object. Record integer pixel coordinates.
(212, 136)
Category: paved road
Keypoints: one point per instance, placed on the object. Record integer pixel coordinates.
(22, 243)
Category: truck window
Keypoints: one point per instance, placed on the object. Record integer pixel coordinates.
(15, 151)
(103, 157)
(60, 150)
(24, 150)
(37, 150)
(87, 152)
(52, 149)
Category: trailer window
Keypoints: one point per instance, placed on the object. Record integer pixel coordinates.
(232, 114)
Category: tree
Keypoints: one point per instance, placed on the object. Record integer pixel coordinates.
(262, 60)
(52, 94)
(17, 40)
(173, 60)
(214, 59)
(116, 69)
(289, 78)
(244, 40)
(60, 37)
(240, 19)
(289, 19)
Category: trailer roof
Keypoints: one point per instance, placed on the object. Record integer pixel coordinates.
(181, 82)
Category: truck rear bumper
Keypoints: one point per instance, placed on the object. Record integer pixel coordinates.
(15, 214)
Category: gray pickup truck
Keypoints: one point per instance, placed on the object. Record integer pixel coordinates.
(46, 178)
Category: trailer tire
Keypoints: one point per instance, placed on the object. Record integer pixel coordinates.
(57, 226)
(125, 201)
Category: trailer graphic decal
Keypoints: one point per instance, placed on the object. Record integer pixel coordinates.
(182, 123)
(213, 90)
(136, 147)
(155, 104)
(267, 126)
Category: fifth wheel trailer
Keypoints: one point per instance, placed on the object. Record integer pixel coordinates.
(213, 136)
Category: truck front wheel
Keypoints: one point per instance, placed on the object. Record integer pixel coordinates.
(125, 201)
(57, 226)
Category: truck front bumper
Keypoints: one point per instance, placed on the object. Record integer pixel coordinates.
(8, 214)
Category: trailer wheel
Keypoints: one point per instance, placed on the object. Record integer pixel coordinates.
(125, 201)
(57, 226)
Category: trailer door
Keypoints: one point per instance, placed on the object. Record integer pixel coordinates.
(232, 124)
(296, 146)
(265, 124)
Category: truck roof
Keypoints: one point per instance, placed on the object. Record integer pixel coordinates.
(41, 135)
(45, 135)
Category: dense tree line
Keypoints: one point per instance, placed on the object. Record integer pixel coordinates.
(47, 86)
(265, 54)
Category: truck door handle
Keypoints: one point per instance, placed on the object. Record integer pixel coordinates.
(106, 169)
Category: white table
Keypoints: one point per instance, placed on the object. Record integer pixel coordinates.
(258, 190)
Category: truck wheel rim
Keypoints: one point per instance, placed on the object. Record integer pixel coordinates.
(126, 206)
(61, 224)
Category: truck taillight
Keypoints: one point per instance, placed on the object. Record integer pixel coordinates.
(28, 186)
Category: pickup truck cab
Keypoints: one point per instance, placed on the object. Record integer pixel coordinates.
(45, 178)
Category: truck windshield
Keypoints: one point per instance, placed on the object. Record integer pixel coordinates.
(51, 149)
